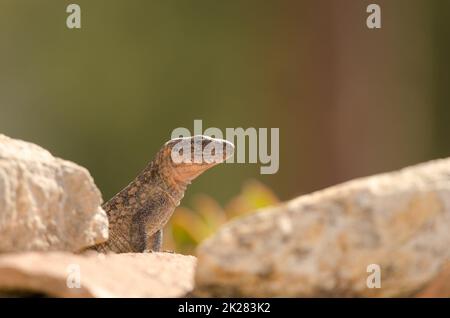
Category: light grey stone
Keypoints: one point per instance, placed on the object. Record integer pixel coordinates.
(46, 203)
(322, 244)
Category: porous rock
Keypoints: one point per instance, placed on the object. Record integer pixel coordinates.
(46, 203)
(323, 244)
(63, 274)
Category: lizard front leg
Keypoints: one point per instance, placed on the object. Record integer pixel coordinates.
(147, 223)
(154, 242)
(138, 237)
(141, 242)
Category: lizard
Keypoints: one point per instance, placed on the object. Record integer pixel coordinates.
(138, 213)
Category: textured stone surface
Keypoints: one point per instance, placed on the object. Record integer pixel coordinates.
(321, 244)
(110, 275)
(438, 287)
(46, 203)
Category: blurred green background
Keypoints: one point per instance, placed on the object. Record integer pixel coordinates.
(349, 101)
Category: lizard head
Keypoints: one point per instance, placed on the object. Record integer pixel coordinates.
(188, 157)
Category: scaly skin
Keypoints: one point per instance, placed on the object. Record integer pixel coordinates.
(138, 213)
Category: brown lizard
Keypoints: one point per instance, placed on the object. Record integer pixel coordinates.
(138, 213)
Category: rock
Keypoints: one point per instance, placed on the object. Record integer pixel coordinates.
(322, 244)
(100, 275)
(46, 203)
(438, 287)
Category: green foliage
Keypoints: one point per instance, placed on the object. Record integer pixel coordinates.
(189, 226)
